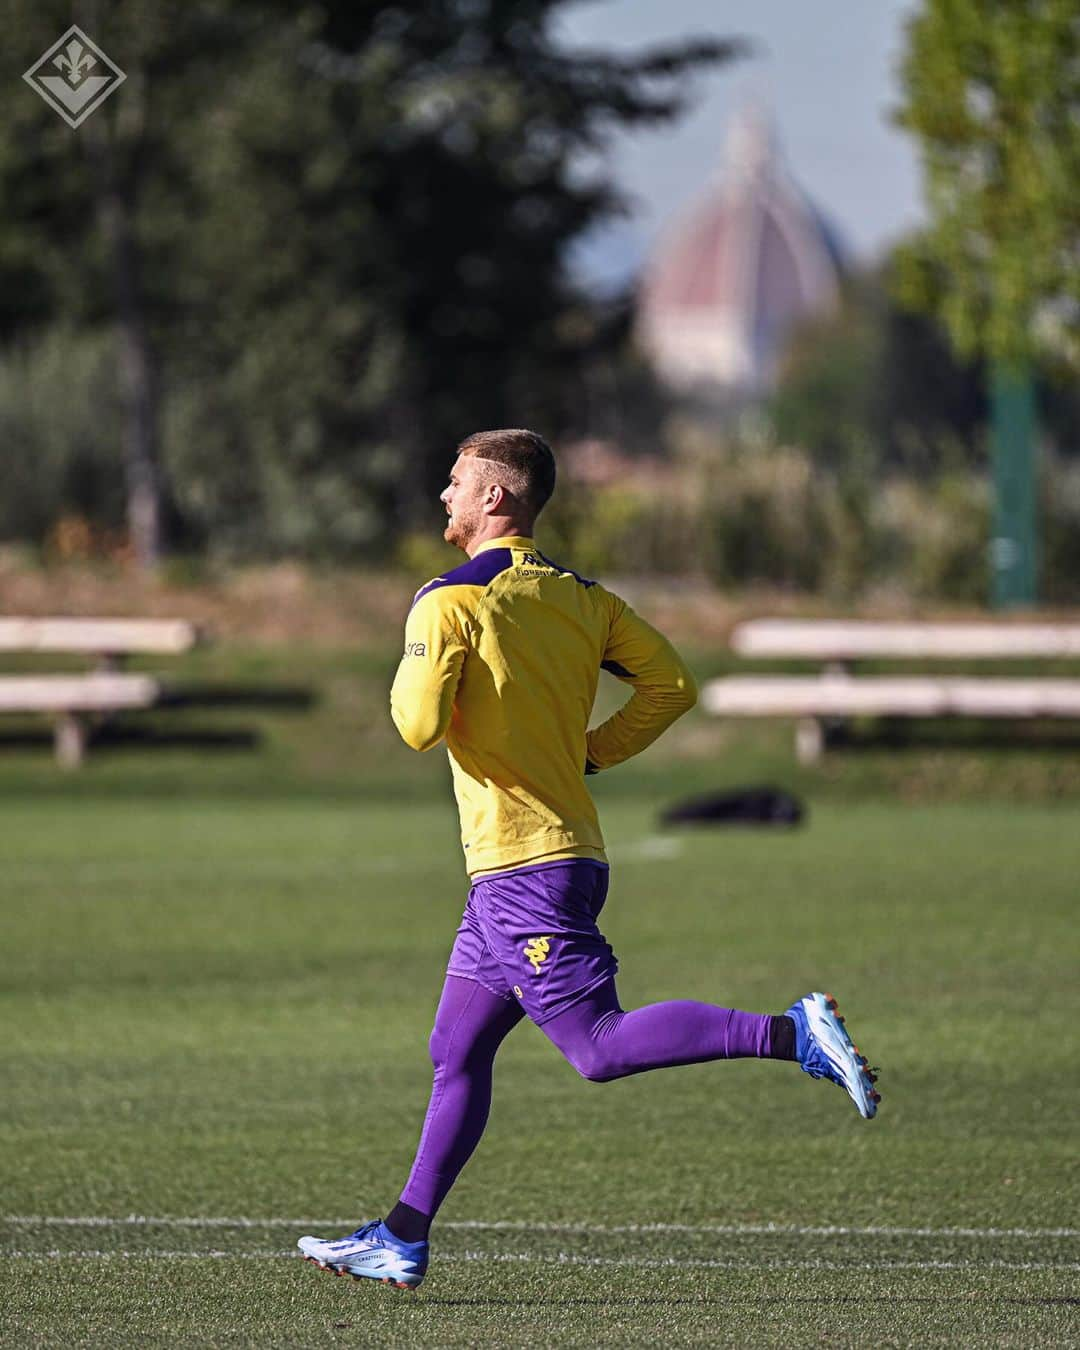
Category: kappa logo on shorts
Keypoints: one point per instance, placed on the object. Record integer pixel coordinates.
(536, 951)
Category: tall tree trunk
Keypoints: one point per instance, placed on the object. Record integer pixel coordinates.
(116, 198)
(141, 413)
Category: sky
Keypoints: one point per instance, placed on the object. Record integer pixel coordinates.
(825, 71)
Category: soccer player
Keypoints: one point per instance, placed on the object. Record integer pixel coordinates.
(502, 659)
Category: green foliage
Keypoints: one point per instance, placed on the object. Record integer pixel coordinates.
(992, 91)
(830, 392)
(422, 554)
(774, 517)
(1060, 514)
(344, 231)
(874, 388)
(59, 429)
(931, 538)
(765, 518)
(600, 529)
(766, 515)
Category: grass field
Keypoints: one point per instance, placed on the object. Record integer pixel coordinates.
(215, 1010)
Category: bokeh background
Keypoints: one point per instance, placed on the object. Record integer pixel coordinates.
(752, 271)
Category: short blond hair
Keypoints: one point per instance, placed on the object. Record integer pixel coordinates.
(526, 461)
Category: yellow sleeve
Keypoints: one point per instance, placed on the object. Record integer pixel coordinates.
(663, 689)
(422, 696)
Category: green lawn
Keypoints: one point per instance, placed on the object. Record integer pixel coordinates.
(215, 1011)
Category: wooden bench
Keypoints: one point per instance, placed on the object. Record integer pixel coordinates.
(853, 640)
(110, 640)
(74, 700)
(823, 702)
(71, 699)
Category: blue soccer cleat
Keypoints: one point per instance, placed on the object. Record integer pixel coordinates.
(371, 1253)
(825, 1050)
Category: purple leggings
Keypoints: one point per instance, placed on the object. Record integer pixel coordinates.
(600, 1040)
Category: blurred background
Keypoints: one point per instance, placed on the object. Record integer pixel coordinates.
(753, 271)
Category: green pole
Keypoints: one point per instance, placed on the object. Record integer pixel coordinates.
(1013, 549)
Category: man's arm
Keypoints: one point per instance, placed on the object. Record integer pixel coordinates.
(422, 696)
(663, 689)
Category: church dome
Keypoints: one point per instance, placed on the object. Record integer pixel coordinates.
(747, 263)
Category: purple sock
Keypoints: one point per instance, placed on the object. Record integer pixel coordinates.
(603, 1042)
(599, 1039)
(470, 1025)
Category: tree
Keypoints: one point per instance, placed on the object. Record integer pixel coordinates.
(874, 387)
(426, 169)
(335, 236)
(95, 224)
(992, 90)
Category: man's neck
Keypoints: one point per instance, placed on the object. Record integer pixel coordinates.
(498, 528)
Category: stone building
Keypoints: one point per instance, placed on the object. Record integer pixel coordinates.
(750, 260)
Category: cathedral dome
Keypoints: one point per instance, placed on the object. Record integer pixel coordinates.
(747, 263)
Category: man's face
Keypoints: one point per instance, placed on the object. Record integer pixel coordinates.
(463, 499)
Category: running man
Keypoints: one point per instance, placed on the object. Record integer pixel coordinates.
(502, 660)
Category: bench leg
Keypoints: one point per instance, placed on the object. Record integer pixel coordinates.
(70, 740)
(809, 739)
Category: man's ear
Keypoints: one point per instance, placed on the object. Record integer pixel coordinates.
(494, 497)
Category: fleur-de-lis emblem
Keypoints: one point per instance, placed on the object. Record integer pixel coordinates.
(76, 60)
(74, 76)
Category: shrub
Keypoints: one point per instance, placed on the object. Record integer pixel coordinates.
(60, 428)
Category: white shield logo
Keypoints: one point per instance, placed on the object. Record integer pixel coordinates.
(74, 76)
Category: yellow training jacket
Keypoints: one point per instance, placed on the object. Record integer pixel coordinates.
(502, 657)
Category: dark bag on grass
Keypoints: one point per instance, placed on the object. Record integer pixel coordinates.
(739, 806)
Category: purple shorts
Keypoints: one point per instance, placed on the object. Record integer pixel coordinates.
(530, 934)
